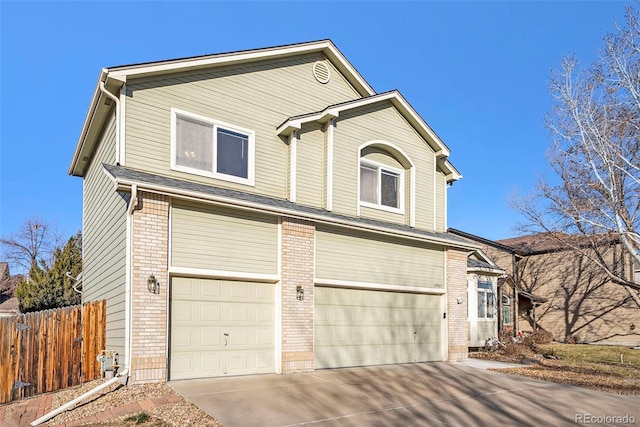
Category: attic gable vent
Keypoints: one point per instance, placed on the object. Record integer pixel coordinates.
(321, 72)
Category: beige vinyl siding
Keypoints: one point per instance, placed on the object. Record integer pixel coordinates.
(257, 96)
(380, 156)
(381, 122)
(224, 239)
(104, 241)
(441, 209)
(311, 181)
(486, 329)
(357, 256)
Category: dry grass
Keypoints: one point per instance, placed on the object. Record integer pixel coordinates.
(607, 368)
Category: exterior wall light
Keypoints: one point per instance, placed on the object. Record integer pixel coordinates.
(153, 285)
(299, 293)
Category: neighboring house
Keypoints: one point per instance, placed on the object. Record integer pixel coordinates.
(485, 299)
(564, 293)
(266, 211)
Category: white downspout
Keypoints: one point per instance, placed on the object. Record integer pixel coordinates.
(128, 342)
(68, 405)
(117, 101)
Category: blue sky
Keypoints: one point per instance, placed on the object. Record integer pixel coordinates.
(477, 72)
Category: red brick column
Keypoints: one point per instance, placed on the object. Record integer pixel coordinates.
(149, 311)
(297, 316)
(458, 326)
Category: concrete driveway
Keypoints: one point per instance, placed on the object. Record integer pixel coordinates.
(429, 394)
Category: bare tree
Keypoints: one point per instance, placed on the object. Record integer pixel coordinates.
(33, 244)
(595, 125)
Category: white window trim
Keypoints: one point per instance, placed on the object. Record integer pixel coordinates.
(487, 291)
(380, 206)
(250, 180)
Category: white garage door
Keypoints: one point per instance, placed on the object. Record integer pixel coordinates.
(220, 328)
(361, 327)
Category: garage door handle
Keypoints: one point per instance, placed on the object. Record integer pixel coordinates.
(225, 339)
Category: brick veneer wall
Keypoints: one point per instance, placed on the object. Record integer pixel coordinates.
(457, 313)
(149, 311)
(297, 316)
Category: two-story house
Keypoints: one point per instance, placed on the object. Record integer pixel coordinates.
(266, 211)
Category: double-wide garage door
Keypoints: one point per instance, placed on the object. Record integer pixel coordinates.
(220, 328)
(355, 327)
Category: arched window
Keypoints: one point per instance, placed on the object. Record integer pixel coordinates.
(382, 170)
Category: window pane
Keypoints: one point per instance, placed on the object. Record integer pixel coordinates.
(368, 184)
(194, 144)
(233, 153)
(491, 304)
(506, 315)
(389, 189)
(482, 305)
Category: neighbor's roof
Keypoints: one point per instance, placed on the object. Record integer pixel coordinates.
(125, 178)
(554, 241)
(10, 306)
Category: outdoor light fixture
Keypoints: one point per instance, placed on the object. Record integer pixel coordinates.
(153, 285)
(299, 293)
(460, 300)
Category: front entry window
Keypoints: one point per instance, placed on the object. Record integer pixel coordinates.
(486, 300)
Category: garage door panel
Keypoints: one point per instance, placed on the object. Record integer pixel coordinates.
(216, 332)
(210, 312)
(355, 327)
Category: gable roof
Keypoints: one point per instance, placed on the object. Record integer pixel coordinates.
(112, 79)
(125, 178)
(400, 103)
(498, 244)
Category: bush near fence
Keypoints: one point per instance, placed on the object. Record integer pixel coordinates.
(50, 350)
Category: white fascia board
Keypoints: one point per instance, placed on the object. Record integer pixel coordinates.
(87, 123)
(414, 118)
(294, 124)
(451, 173)
(288, 127)
(125, 185)
(325, 46)
(161, 67)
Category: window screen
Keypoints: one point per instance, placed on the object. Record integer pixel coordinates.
(368, 184)
(194, 144)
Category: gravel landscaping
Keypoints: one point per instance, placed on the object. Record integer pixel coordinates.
(177, 413)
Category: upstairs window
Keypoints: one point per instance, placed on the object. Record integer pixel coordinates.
(380, 186)
(207, 147)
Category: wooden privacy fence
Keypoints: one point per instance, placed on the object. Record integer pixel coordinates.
(50, 350)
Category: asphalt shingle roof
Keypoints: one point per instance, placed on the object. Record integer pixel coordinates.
(128, 175)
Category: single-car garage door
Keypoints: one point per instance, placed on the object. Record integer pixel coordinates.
(220, 327)
(355, 327)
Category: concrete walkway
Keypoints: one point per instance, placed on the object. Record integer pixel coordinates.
(429, 394)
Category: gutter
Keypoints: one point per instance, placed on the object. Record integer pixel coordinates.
(123, 377)
(115, 99)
